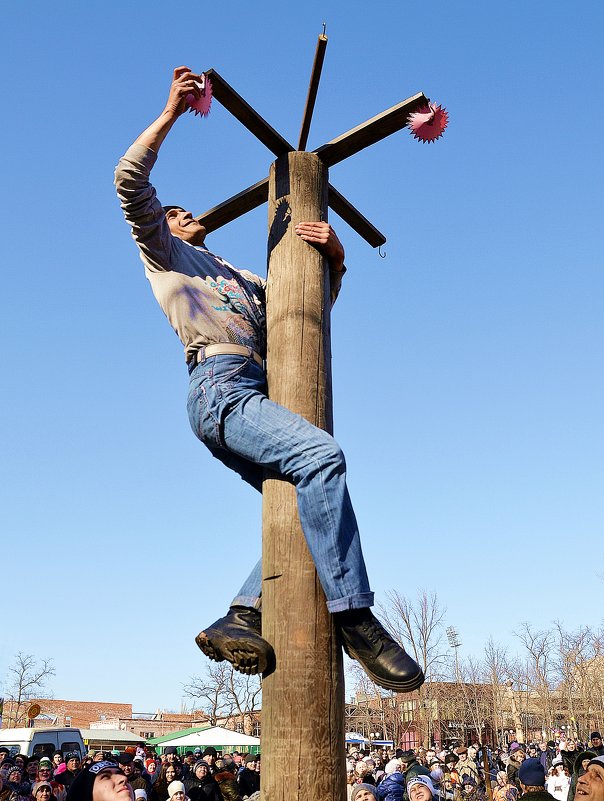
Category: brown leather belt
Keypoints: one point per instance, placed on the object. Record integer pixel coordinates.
(224, 349)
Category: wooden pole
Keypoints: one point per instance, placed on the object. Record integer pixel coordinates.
(303, 745)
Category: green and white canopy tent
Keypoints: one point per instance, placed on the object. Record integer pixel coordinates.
(224, 740)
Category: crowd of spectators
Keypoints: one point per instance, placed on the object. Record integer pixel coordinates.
(552, 771)
(196, 776)
(473, 773)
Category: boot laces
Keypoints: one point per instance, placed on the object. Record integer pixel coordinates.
(376, 633)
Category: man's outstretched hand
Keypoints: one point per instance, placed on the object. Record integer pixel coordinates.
(184, 83)
(322, 236)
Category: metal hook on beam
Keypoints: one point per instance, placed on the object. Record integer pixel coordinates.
(381, 255)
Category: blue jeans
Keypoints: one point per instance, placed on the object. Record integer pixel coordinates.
(231, 414)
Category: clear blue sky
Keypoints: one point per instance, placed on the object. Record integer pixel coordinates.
(468, 370)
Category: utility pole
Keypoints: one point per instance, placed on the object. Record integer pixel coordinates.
(303, 700)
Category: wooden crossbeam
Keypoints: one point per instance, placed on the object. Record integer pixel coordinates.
(246, 115)
(370, 132)
(354, 218)
(256, 195)
(235, 206)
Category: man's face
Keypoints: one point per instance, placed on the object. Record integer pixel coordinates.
(112, 785)
(590, 786)
(251, 765)
(32, 768)
(128, 769)
(73, 764)
(190, 759)
(209, 758)
(596, 742)
(364, 795)
(44, 773)
(237, 759)
(183, 225)
(170, 758)
(201, 771)
(419, 792)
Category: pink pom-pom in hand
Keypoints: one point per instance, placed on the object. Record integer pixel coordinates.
(201, 105)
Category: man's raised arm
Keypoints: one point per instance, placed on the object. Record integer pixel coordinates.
(184, 83)
(142, 209)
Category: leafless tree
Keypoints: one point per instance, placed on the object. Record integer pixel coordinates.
(418, 625)
(225, 696)
(26, 680)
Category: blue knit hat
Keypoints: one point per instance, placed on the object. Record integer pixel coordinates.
(532, 773)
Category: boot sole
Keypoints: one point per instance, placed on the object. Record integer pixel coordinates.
(243, 655)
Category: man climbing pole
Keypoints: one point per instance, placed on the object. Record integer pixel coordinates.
(219, 314)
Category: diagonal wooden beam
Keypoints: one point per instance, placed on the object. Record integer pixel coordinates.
(354, 218)
(235, 206)
(256, 195)
(370, 132)
(246, 115)
(313, 87)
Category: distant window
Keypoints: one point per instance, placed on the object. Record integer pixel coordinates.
(44, 748)
(69, 745)
(102, 717)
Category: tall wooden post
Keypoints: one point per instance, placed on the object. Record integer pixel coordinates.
(303, 700)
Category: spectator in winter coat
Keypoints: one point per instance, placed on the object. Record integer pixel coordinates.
(596, 744)
(202, 787)
(392, 786)
(517, 756)
(248, 778)
(531, 776)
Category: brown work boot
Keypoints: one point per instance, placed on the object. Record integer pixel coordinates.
(383, 660)
(236, 637)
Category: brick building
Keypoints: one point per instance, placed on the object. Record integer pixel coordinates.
(56, 712)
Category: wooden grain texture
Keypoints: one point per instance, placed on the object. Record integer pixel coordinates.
(303, 700)
(370, 132)
(256, 195)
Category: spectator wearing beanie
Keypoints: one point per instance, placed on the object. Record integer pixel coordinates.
(531, 775)
(202, 787)
(101, 781)
(176, 791)
(471, 789)
(364, 792)
(392, 786)
(420, 788)
(248, 779)
(596, 744)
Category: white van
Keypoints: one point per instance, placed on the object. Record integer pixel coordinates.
(40, 742)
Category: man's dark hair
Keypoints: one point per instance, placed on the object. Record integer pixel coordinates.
(169, 208)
